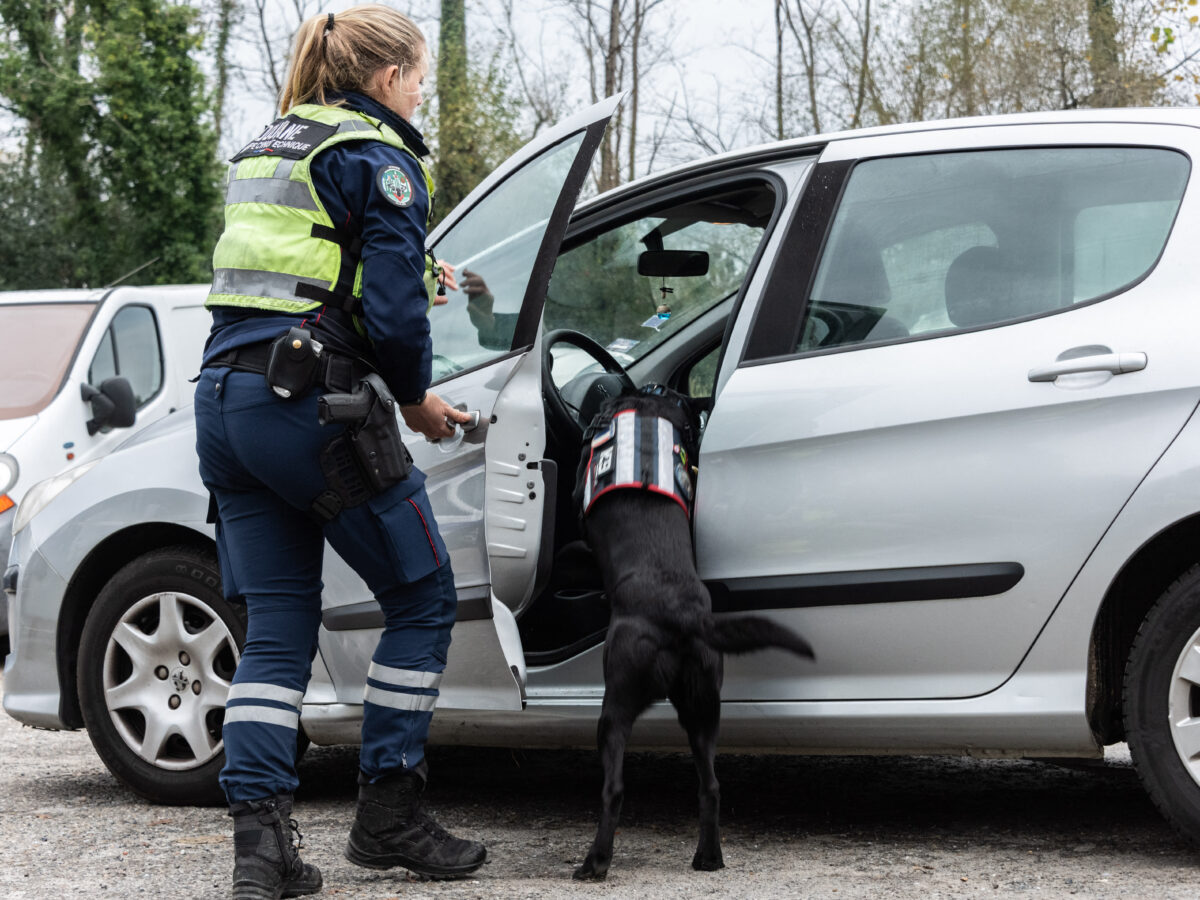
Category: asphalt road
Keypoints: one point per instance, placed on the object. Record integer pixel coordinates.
(848, 827)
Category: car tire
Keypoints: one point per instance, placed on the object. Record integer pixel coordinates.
(1162, 701)
(156, 659)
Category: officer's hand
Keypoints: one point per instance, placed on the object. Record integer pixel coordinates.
(446, 279)
(433, 417)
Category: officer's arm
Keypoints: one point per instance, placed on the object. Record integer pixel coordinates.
(395, 301)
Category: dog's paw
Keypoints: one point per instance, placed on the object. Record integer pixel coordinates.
(708, 862)
(589, 872)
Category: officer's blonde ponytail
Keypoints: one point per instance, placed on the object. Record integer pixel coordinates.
(343, 52)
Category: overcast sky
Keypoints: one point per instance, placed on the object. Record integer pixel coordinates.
(709, 43)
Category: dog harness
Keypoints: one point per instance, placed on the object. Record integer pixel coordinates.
(640, 451)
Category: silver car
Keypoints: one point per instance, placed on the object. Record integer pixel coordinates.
(949, 373)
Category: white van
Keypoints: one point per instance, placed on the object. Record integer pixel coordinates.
(80, 370)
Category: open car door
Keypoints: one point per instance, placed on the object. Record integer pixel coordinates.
(487, 485)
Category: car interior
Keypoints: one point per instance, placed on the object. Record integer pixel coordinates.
(642, 296)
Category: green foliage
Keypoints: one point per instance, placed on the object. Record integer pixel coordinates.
(119, 161)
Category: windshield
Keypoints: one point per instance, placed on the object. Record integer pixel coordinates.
(37, 343)
(615, 287)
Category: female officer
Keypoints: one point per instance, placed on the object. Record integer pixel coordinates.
(321, 281)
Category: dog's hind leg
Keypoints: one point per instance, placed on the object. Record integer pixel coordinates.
(699, 709)
(616, 723)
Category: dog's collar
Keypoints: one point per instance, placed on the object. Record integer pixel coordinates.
(642, 451)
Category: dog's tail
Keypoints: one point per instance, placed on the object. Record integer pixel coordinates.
(745, 634)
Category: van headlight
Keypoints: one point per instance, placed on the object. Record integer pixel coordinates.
(8, 472)
(39, 496)
(8, 477)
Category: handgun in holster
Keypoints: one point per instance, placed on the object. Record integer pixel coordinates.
(370, 448)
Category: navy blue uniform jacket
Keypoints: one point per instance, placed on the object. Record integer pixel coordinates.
(395, 302)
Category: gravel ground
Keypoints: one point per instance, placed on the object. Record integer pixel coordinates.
(854, 827)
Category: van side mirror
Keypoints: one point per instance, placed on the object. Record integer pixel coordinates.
(113, 405)
(672, 263)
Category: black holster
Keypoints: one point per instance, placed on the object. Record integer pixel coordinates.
(369, 456)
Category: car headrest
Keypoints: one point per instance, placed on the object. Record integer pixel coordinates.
(977, 288)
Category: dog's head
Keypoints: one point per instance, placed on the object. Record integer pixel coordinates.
(654, 400)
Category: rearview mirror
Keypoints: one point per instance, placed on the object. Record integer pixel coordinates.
(113, 405)
(673, 263)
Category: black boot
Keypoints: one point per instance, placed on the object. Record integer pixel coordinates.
(266, 864)
(392, 829)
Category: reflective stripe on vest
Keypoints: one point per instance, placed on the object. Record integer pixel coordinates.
(268, 249)
(641, 452)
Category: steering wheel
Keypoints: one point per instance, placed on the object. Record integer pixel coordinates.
(564, 415)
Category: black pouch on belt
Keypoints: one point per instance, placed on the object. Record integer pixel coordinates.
(292, 363)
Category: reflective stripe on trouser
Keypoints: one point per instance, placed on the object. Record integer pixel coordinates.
(398, 699)
(259, 457)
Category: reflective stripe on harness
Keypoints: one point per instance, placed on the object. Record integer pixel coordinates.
(638, 451)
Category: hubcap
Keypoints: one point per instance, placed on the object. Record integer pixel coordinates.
(167, 671)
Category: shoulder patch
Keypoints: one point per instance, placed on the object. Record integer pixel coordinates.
(395, 185)
(291, 138)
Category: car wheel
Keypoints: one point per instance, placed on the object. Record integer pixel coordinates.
(156, 661)
(1162, 704)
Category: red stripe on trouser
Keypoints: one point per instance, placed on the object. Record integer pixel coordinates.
(427, 534)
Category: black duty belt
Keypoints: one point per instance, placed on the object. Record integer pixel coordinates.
(339, 374)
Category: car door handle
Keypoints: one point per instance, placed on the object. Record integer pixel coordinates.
(474, 421)
(461, 429)
(1113, 363)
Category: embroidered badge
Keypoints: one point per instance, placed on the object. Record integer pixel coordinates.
(395, 186)
(290, 138)
(604, 461)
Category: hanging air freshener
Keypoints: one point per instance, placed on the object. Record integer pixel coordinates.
(664, 311)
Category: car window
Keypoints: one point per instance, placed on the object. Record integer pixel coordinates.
(497, 242)
(945, 242)
(597, 288)
(130, 347)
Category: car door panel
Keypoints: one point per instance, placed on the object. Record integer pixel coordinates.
(484, 493)
(893, 471)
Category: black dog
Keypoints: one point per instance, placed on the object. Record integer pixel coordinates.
(662, 639)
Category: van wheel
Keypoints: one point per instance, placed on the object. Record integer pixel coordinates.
(1162, 704)
(156, 662)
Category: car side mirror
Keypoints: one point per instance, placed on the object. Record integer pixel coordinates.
(113, 405)
(672, 263)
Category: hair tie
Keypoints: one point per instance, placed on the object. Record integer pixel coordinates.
(328, 25)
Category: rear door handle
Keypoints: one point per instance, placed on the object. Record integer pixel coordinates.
(1113, 363)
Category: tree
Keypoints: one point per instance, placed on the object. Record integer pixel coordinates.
(117, 140)
(460, 165)
(620, 49)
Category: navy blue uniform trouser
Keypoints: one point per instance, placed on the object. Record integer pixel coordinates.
(259, 456)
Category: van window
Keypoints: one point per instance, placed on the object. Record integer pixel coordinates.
(130, 347)
(37, 343)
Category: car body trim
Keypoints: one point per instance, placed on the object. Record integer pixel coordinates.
(776, 322)
(473, 603)
(865, 586)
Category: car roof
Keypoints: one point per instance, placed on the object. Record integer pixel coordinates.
(760, 153)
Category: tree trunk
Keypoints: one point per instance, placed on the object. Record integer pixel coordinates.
(1104, 61)
(779, 70)
(456, 149)
(610, 175)
(639, 13)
